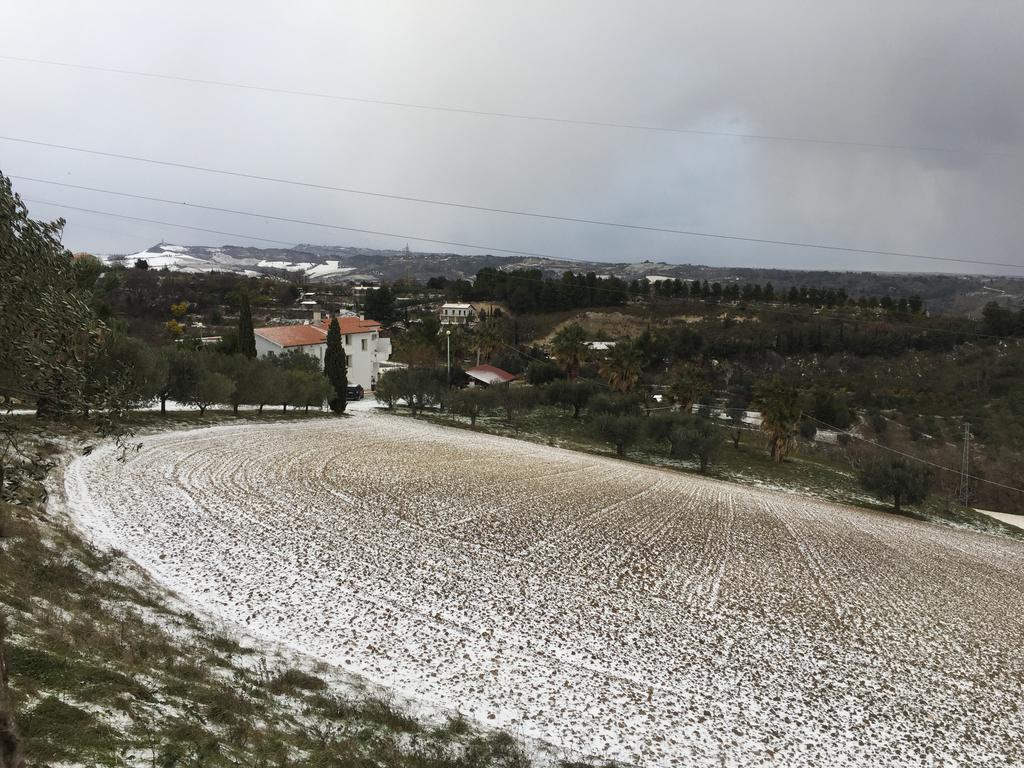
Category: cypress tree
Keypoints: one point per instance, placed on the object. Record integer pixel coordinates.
(334, 366)
(246, 335)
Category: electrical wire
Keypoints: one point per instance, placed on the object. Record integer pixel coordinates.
(287, 219)
(617, 293)
(509, 115)
(541, 281)
(511, 211)
(911, 456)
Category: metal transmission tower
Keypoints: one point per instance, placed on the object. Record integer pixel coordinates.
(964, 491)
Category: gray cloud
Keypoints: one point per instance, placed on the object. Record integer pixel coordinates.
(926, 73)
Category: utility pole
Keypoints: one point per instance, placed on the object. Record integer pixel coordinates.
(448, 336)
(965, 476)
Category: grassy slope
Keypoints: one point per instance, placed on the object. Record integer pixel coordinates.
(108, 669)
(812, 474)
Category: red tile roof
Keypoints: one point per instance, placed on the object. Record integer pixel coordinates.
(293, 335)
(352, 324)
(490, 374)
(305, 335)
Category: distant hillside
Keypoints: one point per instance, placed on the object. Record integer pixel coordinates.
(957, 294)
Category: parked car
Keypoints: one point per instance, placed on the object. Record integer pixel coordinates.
(354, 392)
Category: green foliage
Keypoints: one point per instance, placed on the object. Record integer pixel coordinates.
(878, 423)
(126, 366)
(473, 401)
(49, 332)
(622, 366)
(570, 349)
(570, 394)
(420, 388)
(831, 408)
(897, 478)
(388, 389)
(686, 385)
(514, 400)
(604, 402)
(779, 404)
(211, 388)
(246, 334)
(335, 366)
(488, 337)
(698, 439)
(1002, 321)
(379, 305)
(52, 722)
(542, 372)
(618, 430)
(294, 360)
(527, 290)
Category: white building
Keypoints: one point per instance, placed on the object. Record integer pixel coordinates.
(456, 314)
(365, 348)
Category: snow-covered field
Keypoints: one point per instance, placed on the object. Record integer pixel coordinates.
(611, 608)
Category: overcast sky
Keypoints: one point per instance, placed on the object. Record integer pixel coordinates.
(924, 74)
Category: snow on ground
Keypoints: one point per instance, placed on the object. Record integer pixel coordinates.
(614, 609)
(1005, 517)
(327, 269)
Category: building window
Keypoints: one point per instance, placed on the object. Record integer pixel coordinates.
(348, 339)
(364, 344)
(348, 359)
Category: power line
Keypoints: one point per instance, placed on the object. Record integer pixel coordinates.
(156, 221)
(507, 115)
(510, 211)
(539, 281)
(915, 458)
(271, 217)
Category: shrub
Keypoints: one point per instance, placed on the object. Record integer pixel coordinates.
(620, 431)
(897, 478)
(543, 372)
(697, 439)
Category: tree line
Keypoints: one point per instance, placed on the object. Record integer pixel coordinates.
(528, 291)
(623, 419)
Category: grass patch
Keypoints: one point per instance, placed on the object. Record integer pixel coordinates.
(289, 681)
(101, 667)
(54, 729)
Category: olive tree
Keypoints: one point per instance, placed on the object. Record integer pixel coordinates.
(900, 479)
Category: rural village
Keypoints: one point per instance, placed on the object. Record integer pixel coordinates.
(454, 385)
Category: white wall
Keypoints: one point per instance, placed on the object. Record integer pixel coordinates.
(362, 363)
(264, 348)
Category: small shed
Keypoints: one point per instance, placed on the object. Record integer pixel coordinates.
(488, 375)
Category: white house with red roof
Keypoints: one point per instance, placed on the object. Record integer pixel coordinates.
(365, 347)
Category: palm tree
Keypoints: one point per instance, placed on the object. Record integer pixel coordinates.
(687, 385)
(621, 368)
(489, 336)
(779, 404)
(569, 347)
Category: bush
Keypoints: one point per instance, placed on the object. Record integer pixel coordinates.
(878, 423)
(697, 439)
(808, 429)
(388, 389)
(471, 402)
(897, 478)
(619, 430)
(570, 394)
(543, 372)
(607, 403)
